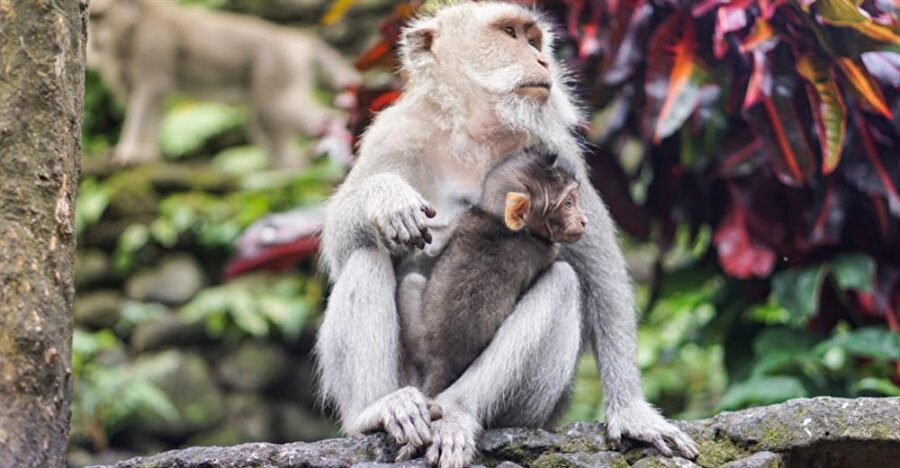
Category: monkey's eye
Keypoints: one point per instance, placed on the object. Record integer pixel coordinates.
(510, 31)
(568, 202)
(532, 43)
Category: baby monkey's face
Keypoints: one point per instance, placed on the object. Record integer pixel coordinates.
(562, 220)
(548, 210)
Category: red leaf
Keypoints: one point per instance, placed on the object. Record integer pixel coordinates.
(827, 108)
(777, 122)
(740, 255)
(673, 78)
(760, 42)
(869, 148)
(864, 86)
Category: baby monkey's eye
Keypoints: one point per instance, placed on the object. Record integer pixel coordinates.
(510, 31)
(532, 43)
(568, 202)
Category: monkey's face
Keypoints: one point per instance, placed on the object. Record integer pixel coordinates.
(107, 20)
(566, 222)
(483, 51)
(499, 47)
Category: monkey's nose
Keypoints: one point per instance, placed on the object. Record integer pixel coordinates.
(583, 221)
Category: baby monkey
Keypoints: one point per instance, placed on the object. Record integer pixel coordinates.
(529, 204)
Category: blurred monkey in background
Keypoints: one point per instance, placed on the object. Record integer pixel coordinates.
(147, 49)
(482, 84)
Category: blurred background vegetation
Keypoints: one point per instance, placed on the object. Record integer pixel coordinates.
(749, 150)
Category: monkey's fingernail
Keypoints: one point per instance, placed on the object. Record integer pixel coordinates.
(420, 243)
(426, 235)
(429, 211)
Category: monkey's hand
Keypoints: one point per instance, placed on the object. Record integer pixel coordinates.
(398, 213)
(641, 421)
(453, 439)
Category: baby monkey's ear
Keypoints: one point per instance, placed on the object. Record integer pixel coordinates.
(516, 207)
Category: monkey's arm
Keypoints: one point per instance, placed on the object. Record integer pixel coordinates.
(381, 209)
(609, 314)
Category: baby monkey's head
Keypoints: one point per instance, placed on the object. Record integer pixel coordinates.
(538, 192)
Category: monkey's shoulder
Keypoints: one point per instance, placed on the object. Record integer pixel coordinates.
(483, 235)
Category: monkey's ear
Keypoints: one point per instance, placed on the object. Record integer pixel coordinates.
(516, 207)
(415, 43)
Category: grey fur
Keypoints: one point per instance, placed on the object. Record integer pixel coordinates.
(431, 149)
(484, 269)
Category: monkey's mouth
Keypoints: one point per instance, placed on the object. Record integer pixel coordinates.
(537, 90)
(535, 85)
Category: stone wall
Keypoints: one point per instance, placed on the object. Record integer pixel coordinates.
(818, 432)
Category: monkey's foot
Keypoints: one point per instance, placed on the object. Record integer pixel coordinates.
(453, 440)
(643, 422)
(405, 414)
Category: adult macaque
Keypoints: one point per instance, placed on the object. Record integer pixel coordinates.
(482, 84)
(147, 49)
(529, 203)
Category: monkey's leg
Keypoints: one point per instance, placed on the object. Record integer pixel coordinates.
(526, 369)
(140, 133)
(609, 315)
(358, 348)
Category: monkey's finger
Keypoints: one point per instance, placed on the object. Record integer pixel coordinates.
(660, 445)
(423, 431)
(407, 452)
(684, 445)
(426, 235)
(412, 224)
(433, 454)
(402, 231)
(429, 211)
(435, 410)
(394, 429)
(412, 435)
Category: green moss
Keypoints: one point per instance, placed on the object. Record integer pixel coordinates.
(581, 444)
(551, 460)
(777, 436)
(718, 453)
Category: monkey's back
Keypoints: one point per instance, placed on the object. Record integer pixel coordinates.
(472, 289)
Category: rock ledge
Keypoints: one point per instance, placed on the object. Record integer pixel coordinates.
(799, 433)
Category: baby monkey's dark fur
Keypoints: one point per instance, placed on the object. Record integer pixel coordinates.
(529, 203)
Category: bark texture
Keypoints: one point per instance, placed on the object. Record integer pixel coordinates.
(41, 90)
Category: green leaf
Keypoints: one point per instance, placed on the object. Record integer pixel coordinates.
(827, 107)
(187, 126)
(762, 391)
(241, 160)
(854, 271)
(797, 290)
(870, 342)
(93, 199)
(846, 13)
(875, 385)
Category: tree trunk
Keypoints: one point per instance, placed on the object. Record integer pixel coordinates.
(41, 89)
